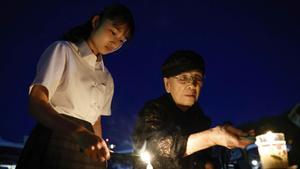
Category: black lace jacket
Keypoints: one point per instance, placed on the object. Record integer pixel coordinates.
(165, 129)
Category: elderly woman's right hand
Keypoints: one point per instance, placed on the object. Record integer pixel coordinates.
(228, 136)
(92, 145)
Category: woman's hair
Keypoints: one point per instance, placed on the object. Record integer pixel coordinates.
(117, 13)
(182, 61)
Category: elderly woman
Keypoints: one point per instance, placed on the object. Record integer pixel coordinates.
(173, 128)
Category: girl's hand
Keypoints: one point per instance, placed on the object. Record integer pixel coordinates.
(92, 145)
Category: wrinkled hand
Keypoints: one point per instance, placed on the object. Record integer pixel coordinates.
(228, 136)
(92, 145)
(238, 132)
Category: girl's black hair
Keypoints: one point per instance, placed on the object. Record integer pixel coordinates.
(117, 13)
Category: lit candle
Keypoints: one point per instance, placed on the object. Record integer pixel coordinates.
(272, 150)
(146, 157)
(149, 166)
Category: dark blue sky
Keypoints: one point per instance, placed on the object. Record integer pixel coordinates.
(251, 50)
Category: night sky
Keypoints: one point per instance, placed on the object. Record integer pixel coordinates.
(251, 49)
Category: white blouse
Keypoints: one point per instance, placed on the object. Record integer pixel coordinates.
(78, 83)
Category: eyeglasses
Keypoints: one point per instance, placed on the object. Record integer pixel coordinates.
(183, 79)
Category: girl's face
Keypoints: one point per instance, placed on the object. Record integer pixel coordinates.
(107, 37)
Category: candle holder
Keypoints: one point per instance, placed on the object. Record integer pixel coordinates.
(272, 150)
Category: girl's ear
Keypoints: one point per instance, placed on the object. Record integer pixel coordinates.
(167, 84)
(95, 21)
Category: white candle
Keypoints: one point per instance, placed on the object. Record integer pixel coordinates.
(272, 150)
(146, 157)
(149, 166)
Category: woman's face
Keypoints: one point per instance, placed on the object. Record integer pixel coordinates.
(184, 88)
(107, 37)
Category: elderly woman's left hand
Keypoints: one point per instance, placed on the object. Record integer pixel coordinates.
(229, 136)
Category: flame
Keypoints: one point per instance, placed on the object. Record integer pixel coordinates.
(145, 156)
(270, 136)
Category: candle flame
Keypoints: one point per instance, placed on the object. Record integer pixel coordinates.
(269, 132)
(145, 155)
(270, 136)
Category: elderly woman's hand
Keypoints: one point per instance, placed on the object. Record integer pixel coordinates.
(228, 136)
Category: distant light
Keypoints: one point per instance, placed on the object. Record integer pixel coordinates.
(107, 140)
(112, 146)
(254, 162)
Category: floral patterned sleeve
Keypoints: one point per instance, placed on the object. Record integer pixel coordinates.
(162, 138)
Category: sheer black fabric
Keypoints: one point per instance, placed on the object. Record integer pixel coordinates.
(165, 130)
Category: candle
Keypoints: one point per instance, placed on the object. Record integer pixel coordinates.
(146, 157)
(272, 150)
(149, 166)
